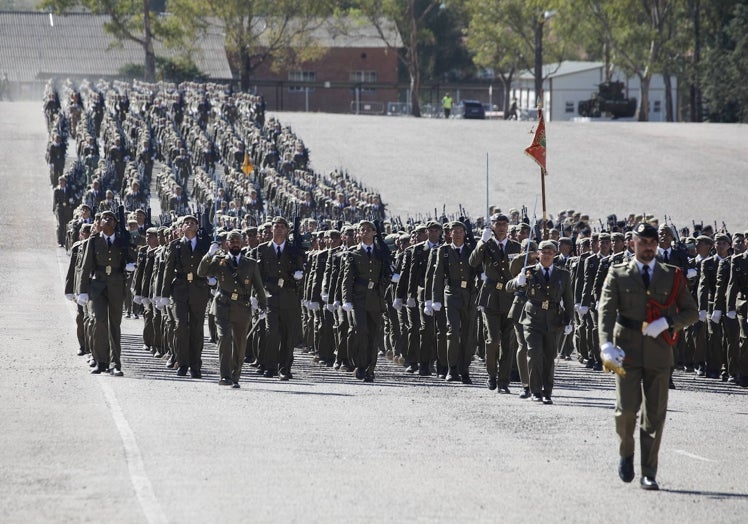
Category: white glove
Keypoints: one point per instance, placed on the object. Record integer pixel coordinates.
(702, 315)
(654, 329)
(486, 235)
(716, 316)
(253, 303)
(298, 275)
(130, 267)
(612, 357)
(480, 308)
(167, 301)
(137, 299)
(314, 306)
(691, 274)
(731, 315)
(330, 308)
(483, 277)
(429, 303)
(325, 297)
(213, 248)
(568, 329)
(145, 301)
(335, 304)
(304, 304)
(521, 279)
(347, 307)
(428, 311)
(395, 277)
(436, 306)
(70, 296)
(583, 310)
(212, 281)
(397, 304)
(576, 307)
(411, 302)
(83, 299)
(263, 314)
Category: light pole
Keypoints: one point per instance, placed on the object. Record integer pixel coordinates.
(539, 53)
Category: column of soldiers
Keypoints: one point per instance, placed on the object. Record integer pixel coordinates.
(441, 299)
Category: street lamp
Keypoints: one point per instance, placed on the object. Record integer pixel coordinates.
(539, 52)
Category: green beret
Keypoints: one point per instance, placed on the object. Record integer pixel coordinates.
(548, 244)
(234, 233)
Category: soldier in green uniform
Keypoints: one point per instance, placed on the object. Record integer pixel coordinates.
(238, 281)
(737, 308)
(62, 206)
(365, 276)
(547, 312)
(493, 254)
(454, 287)
(647, 343)
(103, 282)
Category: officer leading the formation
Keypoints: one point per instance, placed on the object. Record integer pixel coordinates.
(644, 304)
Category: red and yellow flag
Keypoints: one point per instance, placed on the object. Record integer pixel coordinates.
(247, 166)
(537, 148)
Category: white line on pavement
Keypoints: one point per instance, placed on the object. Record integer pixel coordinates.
(691, 455)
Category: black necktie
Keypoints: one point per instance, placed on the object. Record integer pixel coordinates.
(279, 251)
(368, 251)
(645, 276)
(547, 275)
(236, 261)
(501, 249)
(665, 258)
(459, 252)
(109, 242)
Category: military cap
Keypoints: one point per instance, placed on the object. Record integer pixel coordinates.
(368, 223)
(188, 217)
(109, 213)
(456, 223)
(404, 237)
(704, 238)
(548, 244)
(566, 240)
(604, 236)
(513, 228)
(722, 236)
(447, 226)
(266, 225)
(499, 217)
(690, 240)
(250, 230)
(513, 211)
(433, 224)
(419, 228)
(132, 221)
(645, 230)
(616, 236)
(280, 220)
(627, 235)
(529, 245)
(85, 206)
(139, 212)
(523, 225)
(222, 235)
(332, 233)
(586, 241)
(151, 231)
(234, 233)
(86, 228)
(162, 230)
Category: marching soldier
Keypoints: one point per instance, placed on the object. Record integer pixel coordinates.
(737, 308)
(632, 290)
(77, 251)
(493, 255)
(547, 312)
(706, 299)
(238, 282)
(62, 207)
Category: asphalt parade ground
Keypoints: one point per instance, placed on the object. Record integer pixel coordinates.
(154, 447)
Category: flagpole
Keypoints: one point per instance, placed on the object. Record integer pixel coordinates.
(488, 218)
(542, 179)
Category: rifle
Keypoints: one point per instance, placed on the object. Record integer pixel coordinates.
(148, 218)
(205, 228)
(124, 234)
(382, 244)
(297, 244)
(469, 236)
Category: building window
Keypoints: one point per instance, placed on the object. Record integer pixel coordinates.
(657, 106)
(364, 77)
(569, 107)
(301, 76)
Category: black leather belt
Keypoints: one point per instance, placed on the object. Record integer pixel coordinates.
(234, 296)
(629, 322)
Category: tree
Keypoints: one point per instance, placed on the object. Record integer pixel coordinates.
(134, 21)
(409, 18)
(259, 31)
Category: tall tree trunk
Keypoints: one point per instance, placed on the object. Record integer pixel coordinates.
(413, 67)
(644, 80)
(150, 55)
(668, 97)
(246, 68)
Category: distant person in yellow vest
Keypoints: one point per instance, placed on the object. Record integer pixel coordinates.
(447, 105)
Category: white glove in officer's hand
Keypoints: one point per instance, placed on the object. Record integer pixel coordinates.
(298, 275)
(263, 314)
(70, 296)
(483, 277)
(654, 329)
(395, 278)
(137, 299)
(429, 303)
(428, 311)
(330, 308)
(253, 303)
(411, 302)
(130, 267)
(347, 307)
(325, 297)
(612, 357)
(691, 274)
(702, 315)
(145, 301)
(568, 329)
(83, 299)
(314, 306)
(716, 316)
(436, 306)
(212, 281)
(212, 249)
(521, 279)
(336, 304)
(731, 315)
(167, 301)
(397, 304)
(487, 234)
(583, 310)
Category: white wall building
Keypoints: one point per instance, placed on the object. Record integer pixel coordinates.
(568, 83)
